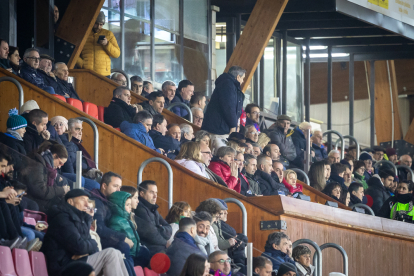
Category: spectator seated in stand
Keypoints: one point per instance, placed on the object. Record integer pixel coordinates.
(183, 95)
(179, 210)
(65, 89)
(334, 190)
(334, 156)
(198, 116)
(203, 220)
(251, 134)
(356, 191)
(392, 155)
(252, 117)
(206, 158)
(120, 108)
(187, 133)
(318, 147)
(138, 129)
(337, 175)
(45, 71)
(250, 167)
(16, 129)
(359, 170)
(348, 172)
(14, 60)
(268, 186)
(119, 78)
(196, 265)
(319, 173)
(276, 249)
(379, 188)
(122, 220)
(262, 266)
(244, 182)
(299, 140)
(220, 264)
(223, 243)
(203, 137)
(137, 85)
(399, 207)
(72, 140)
(68, 239)
(29, 70)
(277, 173)
(224, 166)
(147, 89)
(36, 131)
(4, 52)
(302, 256)
(155, 103)
(289, 180)
(174, 131)
(212, 207)
(198, 100)
(161, 141)
(405, 160)
(183, 246)
(168, 89)
(369, 169)
(157, 231)
(378, 153)
(190, 158)
(256, 149)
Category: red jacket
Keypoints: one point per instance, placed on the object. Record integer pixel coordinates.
(292, 190)
(223, 170)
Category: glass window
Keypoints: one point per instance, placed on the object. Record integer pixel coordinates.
(195, 20)
(271, 102)
(294, 86)
(138, 8)
(167, 15)
(113, 23)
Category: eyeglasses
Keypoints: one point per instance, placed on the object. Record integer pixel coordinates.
(222, 261)
(34, 58)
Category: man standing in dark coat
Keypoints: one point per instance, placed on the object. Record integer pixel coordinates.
(155, 231)
(225, 107)
(68, 239)
(183, 246)
(268, 186)
(120, 108)
(379, 188)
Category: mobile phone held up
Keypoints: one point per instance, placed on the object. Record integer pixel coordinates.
(21, 194)
(101, 37)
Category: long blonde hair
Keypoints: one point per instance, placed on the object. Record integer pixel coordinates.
(191, 151)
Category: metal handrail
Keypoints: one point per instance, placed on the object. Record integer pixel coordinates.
(340, 137)
(340, 249)
(386, 161)
(96, 139)
(303, 174)
(170, 176)
(353, 139)
(364, 206)
(318, 253)
(78, 183)
(123, 73)
(183, 105)
(19, 87)
(244, 212)
(405, 167)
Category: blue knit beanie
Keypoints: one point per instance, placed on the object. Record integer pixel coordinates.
(15, 121)
(365, 156)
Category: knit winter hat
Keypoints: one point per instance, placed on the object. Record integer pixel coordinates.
(365, 156)
(15, 121)
(101, 18)
(29, 106)
(59, 119)
(286, 267)
(222, 204)
(390, 152)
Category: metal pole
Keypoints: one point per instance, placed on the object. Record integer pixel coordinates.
(351, 138)
(19, 88)
(249, 259)
(244, 212)
(284, 74)
(317, 257)
(343, 252)
(372, 101)
(183, 105)
(122, 16)
(307, 81)
(170, 176)
(276, 66)
(261, 82)
(181, 30)
(308, 157)
(78, 182)
(340, 137)
(387, 162)
(95, 138)
(230, 37)
(299, 171)
(330, 95)
(152, 39)
(237, 28)
(351, 95)
(366, 207)
(210, 48)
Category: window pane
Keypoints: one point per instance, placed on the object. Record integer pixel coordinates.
(167, 66)
(294, 87)
(195, 20)
(113, 23)
(270, 99)
(138, 8)
(167, 15)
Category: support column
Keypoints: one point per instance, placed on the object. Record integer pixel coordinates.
(351, 95)
(372, 102)
(230, 37)
(307, 81)
(284, 74)
(329, 121)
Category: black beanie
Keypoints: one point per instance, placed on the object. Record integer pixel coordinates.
(77, 269)
(283, 268)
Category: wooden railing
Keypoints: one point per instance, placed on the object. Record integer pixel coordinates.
(375, 246)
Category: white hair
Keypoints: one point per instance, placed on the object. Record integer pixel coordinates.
(28, 51)
(185, 128)
(195, 109)
(332, 152)
(305, 125)
(73, 121)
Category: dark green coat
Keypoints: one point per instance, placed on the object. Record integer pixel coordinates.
(120, 220)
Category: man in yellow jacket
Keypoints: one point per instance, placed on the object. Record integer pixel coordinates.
(100, 46)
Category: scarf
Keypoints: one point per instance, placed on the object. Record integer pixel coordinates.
(85, 154)
(13, 134)
(203, 243)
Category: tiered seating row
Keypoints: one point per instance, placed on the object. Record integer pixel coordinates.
(19, 262)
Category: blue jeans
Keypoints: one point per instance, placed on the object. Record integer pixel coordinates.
(31, 234)
(87, 183)
(49, 89)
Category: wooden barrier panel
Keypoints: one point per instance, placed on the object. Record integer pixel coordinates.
(373, 244)
(97, 89)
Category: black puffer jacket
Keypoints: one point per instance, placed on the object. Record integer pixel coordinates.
(285, 142)
(268, 186)
(153, 230)
(299, 141)
(67, 235)
(117, 112)
(378, 193)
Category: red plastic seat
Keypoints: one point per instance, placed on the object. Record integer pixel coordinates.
(60, 97)
(6, 262)
(75, 103)
(149, 272)
(30, 221)
(91, 109)
(101, 112)
(35, 214)
(21, 262)
(38, 263)
(139, 271)
(117, 128)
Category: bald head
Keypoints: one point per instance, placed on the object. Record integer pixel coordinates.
(61, 71)
(406, 160)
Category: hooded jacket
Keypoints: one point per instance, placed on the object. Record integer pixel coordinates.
(67, 235)
(378, 193)
(178, 110)
(225, 107)
(32, 75)
(97, 57)
(223, 170)
(117, 112)
(277, 257)
(139, 133)
(120, 220)
(155, 231)
(268, 186)
(284, 141)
